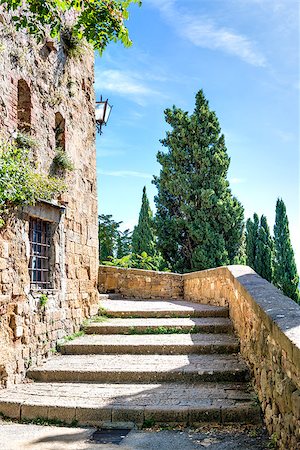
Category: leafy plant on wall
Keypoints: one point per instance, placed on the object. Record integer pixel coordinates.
(20, 183)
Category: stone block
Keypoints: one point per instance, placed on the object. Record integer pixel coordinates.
(127, 413)
(34, 411)
(161, 414)
(64, 413)
(93, 415)
(10, 409)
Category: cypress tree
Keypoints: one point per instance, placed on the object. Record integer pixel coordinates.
(264, 251)
(251, 240)
(143, 239)
(198, 220)
(286, 277)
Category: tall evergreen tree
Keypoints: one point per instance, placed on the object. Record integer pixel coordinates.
(251, 240)
(241, 257)
(198, 221)
(264, 251)
(286, 277)
(143, 239)
(108, 235)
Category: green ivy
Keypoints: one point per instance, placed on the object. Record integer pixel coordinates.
(20, 183)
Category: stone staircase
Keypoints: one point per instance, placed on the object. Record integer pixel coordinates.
(164, 362)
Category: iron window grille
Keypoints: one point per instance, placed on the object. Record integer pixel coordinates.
(40, 245)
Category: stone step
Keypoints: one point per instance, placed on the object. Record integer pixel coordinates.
(158, 325)
(141, 368)
(160, 344)
(116, 405)
(159, 308)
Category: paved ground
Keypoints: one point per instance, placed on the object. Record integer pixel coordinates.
(36, 437)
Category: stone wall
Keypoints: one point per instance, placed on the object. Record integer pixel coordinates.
(64, 85)
(138, 283)
(268, 326)
(267, 323)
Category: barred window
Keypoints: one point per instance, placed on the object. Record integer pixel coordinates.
(40, 246)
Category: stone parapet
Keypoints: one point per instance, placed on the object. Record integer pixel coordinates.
(138, 283)
(268, 325)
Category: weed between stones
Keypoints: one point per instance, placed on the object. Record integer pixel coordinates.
(41, 421)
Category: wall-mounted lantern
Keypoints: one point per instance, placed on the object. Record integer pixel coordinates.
(103, 110)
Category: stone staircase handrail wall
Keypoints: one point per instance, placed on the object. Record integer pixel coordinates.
(266, 321)
(138, 283)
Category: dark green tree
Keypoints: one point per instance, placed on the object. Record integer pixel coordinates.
(264, 251)
(198, 220)
(241, 257)
(251, 240)
(108, 231)
(286, 277)
(143, 239)
(124, 243)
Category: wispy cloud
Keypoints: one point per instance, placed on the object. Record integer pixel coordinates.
(205, 32)
(105, 153)
(124, 173)
(124, 83)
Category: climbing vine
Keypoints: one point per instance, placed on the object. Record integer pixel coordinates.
(20, 183)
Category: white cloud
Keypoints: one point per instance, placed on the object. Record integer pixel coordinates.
(105, 153)
(125, 173)
(123, 83)
(210, 36)
(204, 32)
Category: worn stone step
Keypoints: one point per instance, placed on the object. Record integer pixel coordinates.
(109, 405)
(141, 368)
(159, 308)
(152, 325)
(161, 344)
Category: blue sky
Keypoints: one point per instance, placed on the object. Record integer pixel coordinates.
(244, 54)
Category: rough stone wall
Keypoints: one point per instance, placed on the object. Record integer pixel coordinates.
(138, 283)
(57, 84)
(268, 325)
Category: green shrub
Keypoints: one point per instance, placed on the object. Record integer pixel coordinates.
(73, 46)
(43, 301)
(62, 160)
(20, 184)
(135, 261)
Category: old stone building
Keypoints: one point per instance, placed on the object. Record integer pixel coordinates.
(49, 251)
